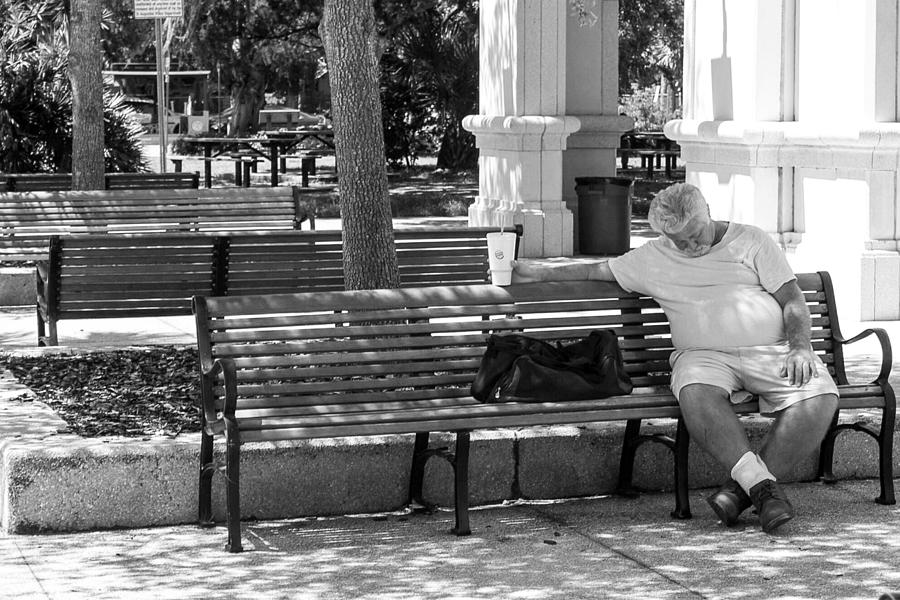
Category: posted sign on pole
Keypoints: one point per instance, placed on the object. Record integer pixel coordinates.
(158, 9)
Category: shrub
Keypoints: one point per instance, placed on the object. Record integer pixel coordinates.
(36, 98)
(649, 111)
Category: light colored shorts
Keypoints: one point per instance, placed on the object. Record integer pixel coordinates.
(745, 372)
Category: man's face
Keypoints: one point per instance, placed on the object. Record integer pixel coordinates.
(696, 239)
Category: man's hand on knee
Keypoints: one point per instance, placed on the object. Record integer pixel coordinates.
(799, 366)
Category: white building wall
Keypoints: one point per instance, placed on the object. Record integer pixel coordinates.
(790, 124)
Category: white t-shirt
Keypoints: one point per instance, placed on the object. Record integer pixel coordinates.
(722, 299)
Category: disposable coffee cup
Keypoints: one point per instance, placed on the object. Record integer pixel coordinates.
(501, 252)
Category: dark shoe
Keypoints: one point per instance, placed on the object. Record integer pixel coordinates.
(729, 502)
(772, 504)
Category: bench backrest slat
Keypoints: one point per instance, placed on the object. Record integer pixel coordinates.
(25, 182)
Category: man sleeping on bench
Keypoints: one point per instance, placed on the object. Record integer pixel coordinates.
(740, 326)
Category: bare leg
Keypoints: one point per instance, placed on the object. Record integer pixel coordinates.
(797, 432)
(712, 423)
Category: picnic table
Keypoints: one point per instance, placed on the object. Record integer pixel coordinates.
(266, 147)
(652, 147)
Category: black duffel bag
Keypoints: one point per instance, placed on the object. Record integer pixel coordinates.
(519, 368)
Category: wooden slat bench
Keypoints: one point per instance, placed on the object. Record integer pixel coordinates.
(106, 276)
(55, 182)
(360, 363)
(28, 219)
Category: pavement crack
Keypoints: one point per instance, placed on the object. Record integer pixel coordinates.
(563, 523)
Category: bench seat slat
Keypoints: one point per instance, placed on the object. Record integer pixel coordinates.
(439, 408)
(465, 423)
(466, 407)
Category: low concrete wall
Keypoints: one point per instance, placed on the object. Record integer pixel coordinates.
(59, 481)
(16, 286)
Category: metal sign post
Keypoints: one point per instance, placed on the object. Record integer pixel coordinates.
(161, 112)
(159, 10)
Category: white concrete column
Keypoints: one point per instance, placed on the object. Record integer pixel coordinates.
(534, 91)
(789, 123)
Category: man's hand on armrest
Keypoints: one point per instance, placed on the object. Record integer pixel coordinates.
(531, 272)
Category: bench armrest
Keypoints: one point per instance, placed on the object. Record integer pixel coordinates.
(215, 421)
(887, 357)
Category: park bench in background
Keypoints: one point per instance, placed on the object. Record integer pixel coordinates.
(103, 276)
(28, 219)
(278, 367)
(54, 182)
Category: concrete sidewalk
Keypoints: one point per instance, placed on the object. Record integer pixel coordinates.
(841, 546)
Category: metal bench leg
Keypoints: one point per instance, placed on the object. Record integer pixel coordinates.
(248, 167)
(682, 445)
(207, 470)
(51, 339)
(41, 331)
(232, 485)
(417, 475)
(461, 483)
(626, 462)
(825, 471)
(886, 447)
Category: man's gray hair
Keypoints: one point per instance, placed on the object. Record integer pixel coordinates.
(675, 206)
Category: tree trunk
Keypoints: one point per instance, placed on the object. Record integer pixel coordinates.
(351, 42)
(247, 98)
(85, 75)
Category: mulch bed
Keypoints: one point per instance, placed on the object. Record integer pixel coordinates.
(133, 393)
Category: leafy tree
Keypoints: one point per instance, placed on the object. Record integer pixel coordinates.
(126, 39)
(36, 97)
(256, 42)
(430, 79)
(651, 43)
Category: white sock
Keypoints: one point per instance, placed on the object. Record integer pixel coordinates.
(750, 470)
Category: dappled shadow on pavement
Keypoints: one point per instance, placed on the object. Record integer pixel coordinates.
(841, 545)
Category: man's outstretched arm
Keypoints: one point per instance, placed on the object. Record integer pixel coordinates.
(799, 366)
(530, 272)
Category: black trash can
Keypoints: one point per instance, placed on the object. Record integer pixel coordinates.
(604, 214)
